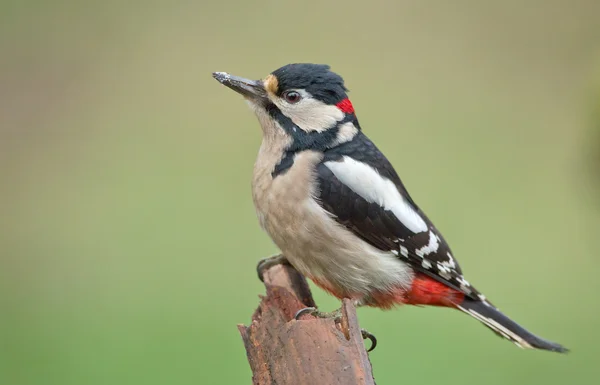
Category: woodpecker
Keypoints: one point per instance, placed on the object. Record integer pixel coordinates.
(338, 211)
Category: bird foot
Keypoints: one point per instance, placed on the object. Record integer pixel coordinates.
(336, 315)
(267, 263)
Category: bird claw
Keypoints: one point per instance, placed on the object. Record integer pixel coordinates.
(336, 315)
(366, 335)
(306, 310)
(267, 263)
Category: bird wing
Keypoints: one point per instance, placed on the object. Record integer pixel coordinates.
(360, 189)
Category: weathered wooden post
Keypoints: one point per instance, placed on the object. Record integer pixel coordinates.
(309, 351)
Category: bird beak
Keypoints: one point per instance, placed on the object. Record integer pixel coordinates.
(250, 89)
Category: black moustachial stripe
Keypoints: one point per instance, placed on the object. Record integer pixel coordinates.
(303, 140)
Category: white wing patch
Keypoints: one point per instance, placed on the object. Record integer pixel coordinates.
(366, 182)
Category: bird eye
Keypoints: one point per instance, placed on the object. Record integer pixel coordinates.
(292, 97)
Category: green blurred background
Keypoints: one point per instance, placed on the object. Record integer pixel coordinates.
(128, 239)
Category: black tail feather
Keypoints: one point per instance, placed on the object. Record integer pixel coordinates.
(505, 327)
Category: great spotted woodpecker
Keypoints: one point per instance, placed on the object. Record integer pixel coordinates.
(336, 208)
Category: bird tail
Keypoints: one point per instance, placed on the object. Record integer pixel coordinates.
(505, 327)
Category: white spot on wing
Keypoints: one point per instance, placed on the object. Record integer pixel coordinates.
(463, 281)
(404, 251)
(464, 284)
(366, 182)
(450, 262)
(444, 271)
(432, 247)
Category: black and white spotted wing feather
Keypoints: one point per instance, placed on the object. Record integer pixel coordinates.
(380, 226)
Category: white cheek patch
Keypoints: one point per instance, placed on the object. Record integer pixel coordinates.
(311, 114)
(366, 182)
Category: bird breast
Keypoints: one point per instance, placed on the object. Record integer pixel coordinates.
(310, 238)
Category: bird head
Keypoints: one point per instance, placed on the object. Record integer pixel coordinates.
(307, 102)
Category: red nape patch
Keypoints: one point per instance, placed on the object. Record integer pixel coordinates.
(346, 106)
(427, 291)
